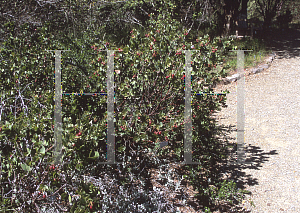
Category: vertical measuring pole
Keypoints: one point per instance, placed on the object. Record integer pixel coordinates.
(188, 110)
(240, 107)
(241, 156)
(57, 109)
(110, 108)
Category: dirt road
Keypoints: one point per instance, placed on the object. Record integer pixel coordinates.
(272, 130)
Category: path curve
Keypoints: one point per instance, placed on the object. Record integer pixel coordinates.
(272, 133)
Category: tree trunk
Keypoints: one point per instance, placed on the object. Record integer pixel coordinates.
(227, 25)
(241, 21)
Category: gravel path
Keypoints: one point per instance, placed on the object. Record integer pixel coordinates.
(271, 135)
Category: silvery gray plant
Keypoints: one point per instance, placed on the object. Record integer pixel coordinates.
(133, 198)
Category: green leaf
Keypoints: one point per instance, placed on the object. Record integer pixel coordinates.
(42, 150)
(121, 148)
(10, 126)
(96, 154)
(25, 167)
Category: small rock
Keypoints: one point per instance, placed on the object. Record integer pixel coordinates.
(269, 60)
(257, 70)
(237, 76)
(233, 77)
(265, 66)
(230, 79)
(225, 81)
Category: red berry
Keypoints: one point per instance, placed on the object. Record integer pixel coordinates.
(44, 196)
(159, 132)
(172, 75)
(39, 193)
(139, 117)
(91, 206)
(54, 179)
(167, 76)
(79, 133)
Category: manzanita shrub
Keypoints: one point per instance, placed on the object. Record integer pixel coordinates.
(149, 109)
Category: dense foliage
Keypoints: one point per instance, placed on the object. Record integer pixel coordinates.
(149, 109)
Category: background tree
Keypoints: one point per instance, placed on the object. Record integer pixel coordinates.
(113, 19)
(268, 9)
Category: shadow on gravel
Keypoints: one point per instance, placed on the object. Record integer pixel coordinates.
(229, 168)
(285, 42)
